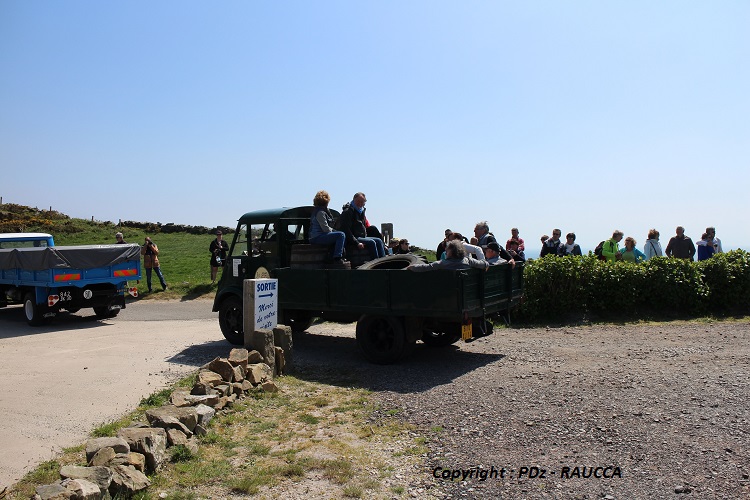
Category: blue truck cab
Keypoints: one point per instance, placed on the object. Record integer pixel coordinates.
(47, 279)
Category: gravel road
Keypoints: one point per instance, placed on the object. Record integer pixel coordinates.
(646, 411)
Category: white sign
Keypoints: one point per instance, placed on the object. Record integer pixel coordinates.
(266, 299)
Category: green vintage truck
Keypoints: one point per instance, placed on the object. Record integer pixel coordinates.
(393, 308)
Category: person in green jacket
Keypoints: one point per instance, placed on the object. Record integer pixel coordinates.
(631, 253)
(611, 248)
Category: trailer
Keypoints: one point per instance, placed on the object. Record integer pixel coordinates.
(393, 307)
(47, 279)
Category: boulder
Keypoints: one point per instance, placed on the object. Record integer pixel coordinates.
(101, 476)
(238, 389)
(83, 489)
(127, 480)
(239, 373)
(280, 360)
(94, 445)
(247, 386)
(223, 390)
(210, 377)
(223, 367)
(102, 457)
(201, 389)
(206, 399)
(269, 386)
(258, 373)
(53, 492)
(172, 417)
(151, 442)
(238, 357)
(205, 414)
(175, 437)
(179, 398)
(254, 357)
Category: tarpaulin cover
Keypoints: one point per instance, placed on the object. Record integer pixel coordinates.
(73, 257)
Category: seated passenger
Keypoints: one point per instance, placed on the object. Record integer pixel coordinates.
(354, 227)
(321, 232)
(473, 250)
(492, 252)
(403, 247)
(455, 259)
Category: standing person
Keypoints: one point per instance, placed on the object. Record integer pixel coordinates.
(483, 235)
(652, 247)
(150, 253)
(120, 240)
(705, 247)
(630, 253)
(441, 247)
(515, 245)
(354, 227)
(551, 246)
(611, 248)
(715, 241)
(680, 246)
(321, 227)
(218, 249)
(570, 247)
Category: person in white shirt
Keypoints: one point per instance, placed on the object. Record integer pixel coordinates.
(711, 231)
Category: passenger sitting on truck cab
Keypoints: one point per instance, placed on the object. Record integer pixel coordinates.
(353, 224)
(321, 230)
(455, 259)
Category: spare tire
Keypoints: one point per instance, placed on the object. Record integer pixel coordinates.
(400, 261)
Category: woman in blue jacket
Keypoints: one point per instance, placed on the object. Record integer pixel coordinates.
(631, 253)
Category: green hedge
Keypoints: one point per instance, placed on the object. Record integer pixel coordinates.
(572, 288)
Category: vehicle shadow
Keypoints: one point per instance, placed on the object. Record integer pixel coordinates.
(13, 322)
(337, 361)
(200, 354)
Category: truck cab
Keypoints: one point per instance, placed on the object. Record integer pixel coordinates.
(26, 240)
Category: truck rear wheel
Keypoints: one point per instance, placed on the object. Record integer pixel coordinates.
(298, 321)
(230, 320)
(105, 312)
(381, 338)
(33, 311)
(437, 339)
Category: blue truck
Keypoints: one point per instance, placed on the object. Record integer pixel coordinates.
(47, 279)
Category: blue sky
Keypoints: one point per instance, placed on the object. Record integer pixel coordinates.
(589, 116)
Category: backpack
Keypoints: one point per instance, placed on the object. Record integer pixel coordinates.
(598, 250)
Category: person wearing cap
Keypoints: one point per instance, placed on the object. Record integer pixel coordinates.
(495, 254)
(119, 238)
(218, 249)
(456, 258)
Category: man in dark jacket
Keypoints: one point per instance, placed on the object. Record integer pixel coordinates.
(355, 228)
(680, 246)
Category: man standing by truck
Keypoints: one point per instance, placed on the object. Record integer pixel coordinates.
(150, 253)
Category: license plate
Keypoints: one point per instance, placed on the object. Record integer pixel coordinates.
(466, 332)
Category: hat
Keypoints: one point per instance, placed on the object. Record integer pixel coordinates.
(218, 232)
(494, 246)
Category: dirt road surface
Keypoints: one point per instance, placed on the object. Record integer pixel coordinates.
(60, 381)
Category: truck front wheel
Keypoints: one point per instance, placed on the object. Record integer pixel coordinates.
(381, 338)
(33, 311)
(230, 320)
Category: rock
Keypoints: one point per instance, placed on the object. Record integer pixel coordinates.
(53, 492)
(127, 480)
(180, 398)
(254, 357)
(282, 337)
(200, 430)
(223, 368)
(239, 373)
(269, 386)
(208, 399)
(151, 442)
(238, 357)
(94, 445)
(201, 389)
(258, 373)
(172, 417)
(223, 389)
(102, 457)
(101, 476)
(82, 489)
(209, 377)
(175, 437)
(137, 460)
(247, 386)
(237, 389)
(205, 414)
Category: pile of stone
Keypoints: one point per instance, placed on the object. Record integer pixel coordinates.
(118, 465)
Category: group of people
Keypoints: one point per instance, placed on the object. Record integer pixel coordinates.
(680, 246)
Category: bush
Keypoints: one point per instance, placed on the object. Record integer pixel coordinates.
(571, 288)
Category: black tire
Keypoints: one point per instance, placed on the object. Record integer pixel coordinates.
(105, 312)
(230, 320)
(34, 312)
(72, 310)
(381, 338)
(400, 261)
(436, 339)
(298, 321)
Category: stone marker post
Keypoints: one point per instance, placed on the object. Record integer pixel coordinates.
(282, 337)
(260, 299)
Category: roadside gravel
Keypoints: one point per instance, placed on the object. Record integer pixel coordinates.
(661, 409)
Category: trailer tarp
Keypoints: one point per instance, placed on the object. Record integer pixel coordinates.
(72, 257)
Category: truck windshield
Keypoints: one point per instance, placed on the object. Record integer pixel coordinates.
(23, 244)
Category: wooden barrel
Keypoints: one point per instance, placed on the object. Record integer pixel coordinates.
(310, 256)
